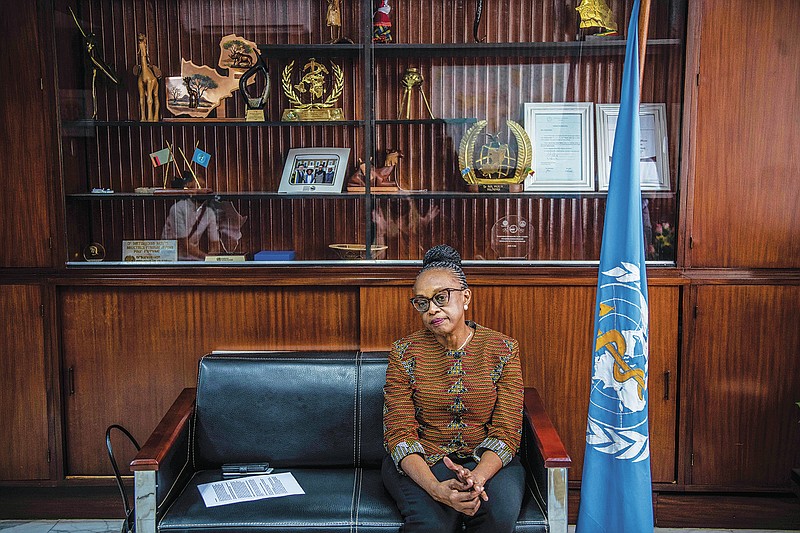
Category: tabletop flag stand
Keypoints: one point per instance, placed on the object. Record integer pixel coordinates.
(616, 489)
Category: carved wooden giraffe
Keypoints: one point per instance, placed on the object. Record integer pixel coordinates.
(148, 76)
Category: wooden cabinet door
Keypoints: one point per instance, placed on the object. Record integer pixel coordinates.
(747, 165)
(744, 382)
(554, 328)
(25, 151)
(129, 351)
(23, 396)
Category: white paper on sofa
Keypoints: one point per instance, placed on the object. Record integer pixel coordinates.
(250, 488)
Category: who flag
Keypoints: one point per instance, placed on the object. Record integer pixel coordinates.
(201, 158)
(616, 491)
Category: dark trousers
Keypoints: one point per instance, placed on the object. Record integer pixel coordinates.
(421, 513)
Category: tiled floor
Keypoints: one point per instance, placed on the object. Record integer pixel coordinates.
(113, 526)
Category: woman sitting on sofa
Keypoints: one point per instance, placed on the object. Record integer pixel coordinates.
(453, 412)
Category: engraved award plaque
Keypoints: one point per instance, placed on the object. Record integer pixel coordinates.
(510, 237)
(313, 92)
(495, 166)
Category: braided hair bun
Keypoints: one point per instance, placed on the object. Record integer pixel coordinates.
(444, 257)
(441, 253)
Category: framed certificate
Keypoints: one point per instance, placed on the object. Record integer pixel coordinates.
(314, 171)
(654, 154)
(562, 135)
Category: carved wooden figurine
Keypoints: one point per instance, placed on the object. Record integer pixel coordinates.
(148, 76)
(379, 176)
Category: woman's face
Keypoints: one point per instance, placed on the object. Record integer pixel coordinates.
(445, 319)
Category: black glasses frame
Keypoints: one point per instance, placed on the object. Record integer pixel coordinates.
(441, 298)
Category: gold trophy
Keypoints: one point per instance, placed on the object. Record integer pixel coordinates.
(313, 96)
(412, 79)
(495, 167)
(597, 14)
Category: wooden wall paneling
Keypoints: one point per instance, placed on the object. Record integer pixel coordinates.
(747, 162)
(745, 380)
(553, 326)
(26, 153)
(128, 352)
(23, 396)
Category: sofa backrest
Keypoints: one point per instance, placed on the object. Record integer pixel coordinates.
(292, 409)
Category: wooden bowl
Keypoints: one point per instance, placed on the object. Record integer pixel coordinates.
(357, 251)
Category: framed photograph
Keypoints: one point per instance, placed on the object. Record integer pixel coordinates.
(562, 135)
(654, 155)
(314, 171)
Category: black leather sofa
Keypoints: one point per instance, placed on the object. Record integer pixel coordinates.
(319, 416)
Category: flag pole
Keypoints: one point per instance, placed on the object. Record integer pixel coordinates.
(644, 22)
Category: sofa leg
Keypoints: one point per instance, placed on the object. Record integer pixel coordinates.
(145, 496)
(557, 500)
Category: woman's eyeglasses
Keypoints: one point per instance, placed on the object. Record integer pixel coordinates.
(441, 299)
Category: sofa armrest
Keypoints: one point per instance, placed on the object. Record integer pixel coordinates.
(546, 459)
(163, 463)
(167, 433)
(547, 439)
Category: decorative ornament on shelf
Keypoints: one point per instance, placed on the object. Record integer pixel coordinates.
(476, 24)
(94, 252)
(412, 79)
(381, 23)
(313, 97)
(663, 242)
(185, 180)
(255, 104)
(597, 14)
(237, 54)
(147, 77)
(96, 59)
(381, 179)
(358, 251)
(333, 19)
(198, 90)
(495, 167)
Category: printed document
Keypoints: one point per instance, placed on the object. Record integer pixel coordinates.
(249, 488)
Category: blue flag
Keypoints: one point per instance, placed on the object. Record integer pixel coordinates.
(201, 158)
(616, 491)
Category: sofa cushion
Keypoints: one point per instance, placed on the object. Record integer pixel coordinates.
(347, 499)
(334, 500)
(372, 372)
(292, 410)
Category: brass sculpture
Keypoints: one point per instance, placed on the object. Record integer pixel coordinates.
(412, 79)
(147, 82)
(596, 13)
(333, 18)
(96, 60)
(312, 87)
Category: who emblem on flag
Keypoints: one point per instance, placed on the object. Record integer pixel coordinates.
(616, 491)
(201, 158)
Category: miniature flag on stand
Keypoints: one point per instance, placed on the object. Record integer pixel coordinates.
(616, 491)
(161, 157)
(201, 158)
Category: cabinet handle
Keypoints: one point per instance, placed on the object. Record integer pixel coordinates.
(71, 381)
(666, 385)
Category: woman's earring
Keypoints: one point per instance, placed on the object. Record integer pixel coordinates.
(466, 307)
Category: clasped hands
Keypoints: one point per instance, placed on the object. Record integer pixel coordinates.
(463, 493)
